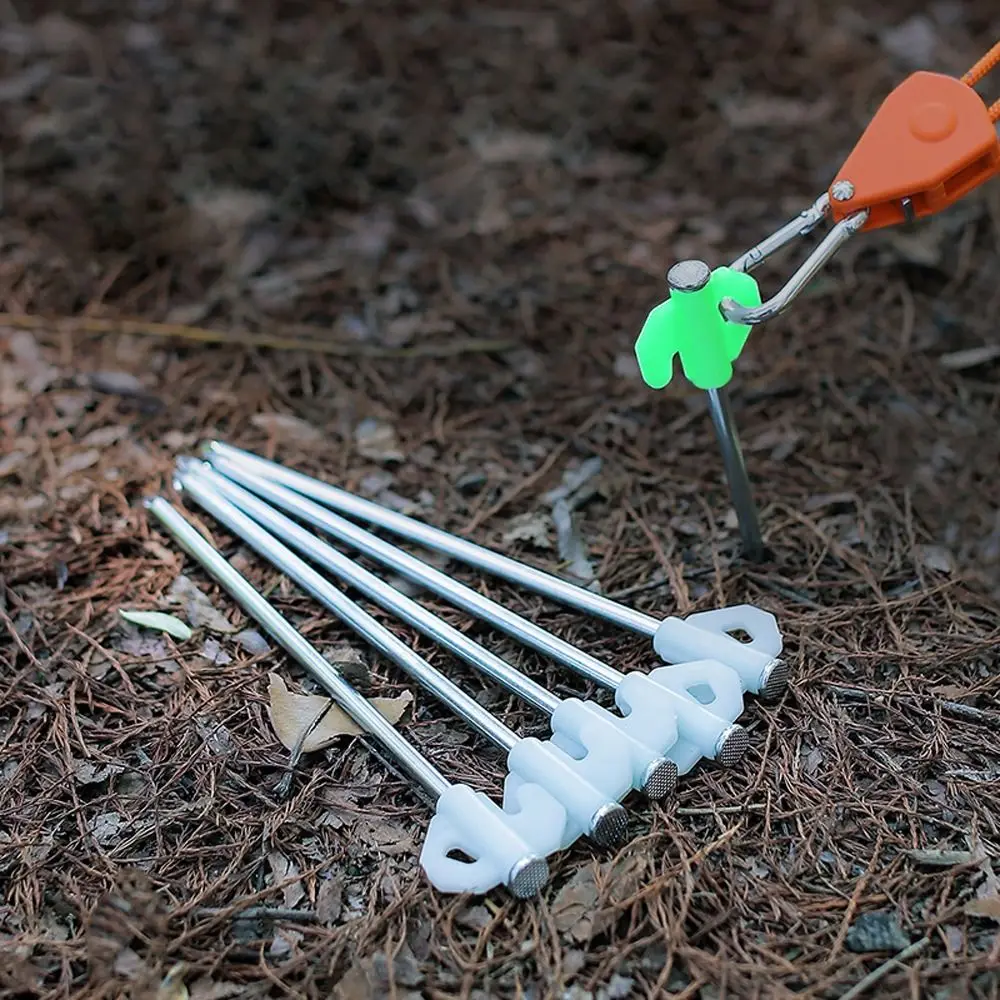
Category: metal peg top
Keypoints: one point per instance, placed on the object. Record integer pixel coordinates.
(689, 276)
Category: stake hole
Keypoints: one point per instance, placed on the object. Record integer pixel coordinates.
(702, 693)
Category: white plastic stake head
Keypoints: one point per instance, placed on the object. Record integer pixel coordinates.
(699, 732)
(588, 787)
(709, 687)
(708, 683)
(707, 634)
(505, 847)
(653, 774)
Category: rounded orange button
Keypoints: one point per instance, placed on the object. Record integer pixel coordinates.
(933, 121)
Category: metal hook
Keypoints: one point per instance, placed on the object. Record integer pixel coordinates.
(792, 288)
(802, 225)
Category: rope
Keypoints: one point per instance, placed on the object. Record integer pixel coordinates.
(991, 59)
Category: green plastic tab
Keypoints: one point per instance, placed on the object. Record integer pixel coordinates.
(691, 325)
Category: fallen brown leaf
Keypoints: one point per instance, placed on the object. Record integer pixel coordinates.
(318, 717)
(173, 986)
(377, 440)
(198, 608)
(960, 360)
(286, 426)
(951, 691)
(988, 907)
(575, 903)
(78, 462)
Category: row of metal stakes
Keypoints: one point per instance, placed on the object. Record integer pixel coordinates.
(556, 790)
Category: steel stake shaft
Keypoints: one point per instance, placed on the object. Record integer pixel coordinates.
(299, 648)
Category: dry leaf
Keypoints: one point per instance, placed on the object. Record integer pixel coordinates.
(104, 437)
(572, 547)
(285, 425)
(350, 664)
(10, 462)
(330, 901)
(388, 837)
(575, 904)
(879, 931)
(586, 904)
(941, 859)
(78, 461)
(214, 653)
(128, 964)
(200, 611)
(173, 987)
(160, 621)
(988, 907)
(767, 110)
(377, 440)
(950, 691)
(283, 871)
(228, 210)
(937, 558)
(960, 360)
(510, 146)
(115, 383)
(106, 827)
(207, 989)
(576, 488)
(253, 642)
(530, 527)
(913, 43)
(294, 714)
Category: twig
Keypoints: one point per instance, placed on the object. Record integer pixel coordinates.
(712, 811)
(317, 341)
(961, 711)
(515, 491)
(786, 592)
(284, 787)
(883, 970)
(258, 913)
(18, 641)
(954, 708)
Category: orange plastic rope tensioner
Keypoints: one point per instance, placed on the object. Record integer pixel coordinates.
(931, 142)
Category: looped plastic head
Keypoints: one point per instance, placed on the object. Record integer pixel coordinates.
(504, 846)
(709, 635)
(577, 724)
(588, 786)
(690, 325)
(699, 731)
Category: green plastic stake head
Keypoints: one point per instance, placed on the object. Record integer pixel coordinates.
(690, 324)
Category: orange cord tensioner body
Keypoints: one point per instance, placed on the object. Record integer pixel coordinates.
(931, 142)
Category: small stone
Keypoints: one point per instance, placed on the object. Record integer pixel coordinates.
(253, 642)
(878, 931)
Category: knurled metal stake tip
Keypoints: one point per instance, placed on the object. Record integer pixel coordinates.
(689, 276)
(842, 191)
(660, 779)
(775, 680)
(732, 745)
(528, 877)
(609, 827)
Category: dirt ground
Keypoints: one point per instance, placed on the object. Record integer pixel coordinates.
(408, 246)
